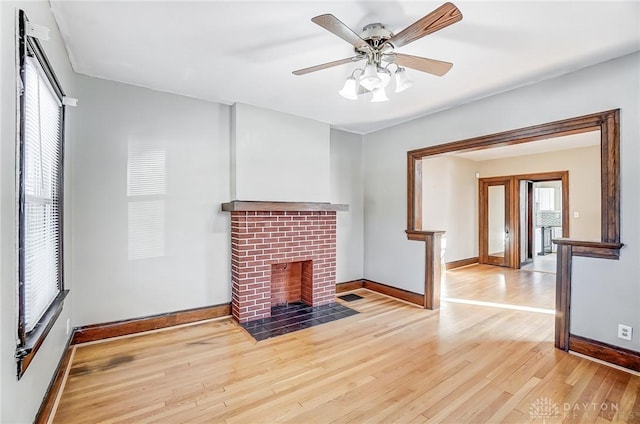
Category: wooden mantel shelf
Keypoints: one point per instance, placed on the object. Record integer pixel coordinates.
(244, 206)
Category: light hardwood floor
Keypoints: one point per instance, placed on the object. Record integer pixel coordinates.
(393, 362)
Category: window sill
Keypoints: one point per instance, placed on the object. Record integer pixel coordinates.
(27, 351)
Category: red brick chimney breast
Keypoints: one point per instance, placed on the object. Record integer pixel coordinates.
(262, 242)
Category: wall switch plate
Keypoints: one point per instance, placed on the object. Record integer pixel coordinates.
(625, 331)
(68, 325)
(576, 214)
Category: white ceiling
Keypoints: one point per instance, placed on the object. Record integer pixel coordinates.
(244, 51)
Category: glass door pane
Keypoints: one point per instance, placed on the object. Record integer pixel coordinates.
(496, 216)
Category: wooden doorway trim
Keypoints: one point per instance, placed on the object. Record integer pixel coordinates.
(514, 259)
(608, 123)
(485, 256)
(563, 177)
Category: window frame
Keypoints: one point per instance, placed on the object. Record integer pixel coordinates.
(28, 343)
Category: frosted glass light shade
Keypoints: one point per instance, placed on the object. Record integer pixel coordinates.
(379, 95)
(350, 89)
(402, 81)
(385, 77)
(370, 79)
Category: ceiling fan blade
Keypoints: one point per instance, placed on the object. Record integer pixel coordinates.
(442, 17)
(328, 65)
(335, 26)
(431, 66)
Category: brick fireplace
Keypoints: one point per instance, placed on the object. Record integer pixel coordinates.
(281, 252)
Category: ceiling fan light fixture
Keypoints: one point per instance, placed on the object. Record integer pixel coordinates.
(402, 80)
(350, 89)
(379, 95)
(370, 79)
(385, 77)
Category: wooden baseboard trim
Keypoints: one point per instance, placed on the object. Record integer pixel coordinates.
(605, 352)
(349, 285)
(49, 399)
(90, 333)
(460, 263)
(401, 294)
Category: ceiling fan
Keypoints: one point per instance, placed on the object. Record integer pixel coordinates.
(376, 44)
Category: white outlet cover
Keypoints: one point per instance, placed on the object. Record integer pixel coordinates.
(625, 332)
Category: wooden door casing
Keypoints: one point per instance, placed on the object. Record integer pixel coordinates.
(485, 256)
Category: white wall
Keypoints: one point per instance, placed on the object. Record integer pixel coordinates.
(583, 165)
(450, 203)
(609, 285)
(20, 400)
(181, 259)
(347, 186)
(278, 157)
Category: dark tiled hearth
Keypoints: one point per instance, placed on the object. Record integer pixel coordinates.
(294, 317)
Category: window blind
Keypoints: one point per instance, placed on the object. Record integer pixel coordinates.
(41, 181)
(146, 187)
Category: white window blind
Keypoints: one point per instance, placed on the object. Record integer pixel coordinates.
(41, 182)
(146, 187)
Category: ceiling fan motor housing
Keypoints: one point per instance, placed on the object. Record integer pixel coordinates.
(375, 35)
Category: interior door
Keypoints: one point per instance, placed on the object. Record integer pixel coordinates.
(526, 222)
(495, 231)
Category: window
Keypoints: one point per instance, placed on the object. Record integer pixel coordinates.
(40, 197)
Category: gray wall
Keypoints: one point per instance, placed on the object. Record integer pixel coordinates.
(277, 156)
(20, 400)
(185, 234)
(191, 267)
(347, 186)
(605, 293)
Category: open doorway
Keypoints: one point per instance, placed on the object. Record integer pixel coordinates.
(583, 240)
(519, 216)
(451, 201)
(541, 211)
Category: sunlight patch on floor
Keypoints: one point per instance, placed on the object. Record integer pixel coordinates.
(499, 305)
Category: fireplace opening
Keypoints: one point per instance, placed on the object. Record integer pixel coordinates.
(291, 282)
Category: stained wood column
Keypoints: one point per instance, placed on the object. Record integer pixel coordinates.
(563, 295)
(432, 265)
(567, 249)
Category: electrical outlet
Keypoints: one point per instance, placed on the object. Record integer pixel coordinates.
(624, 331)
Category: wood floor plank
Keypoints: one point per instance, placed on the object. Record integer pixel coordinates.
(392, 362)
